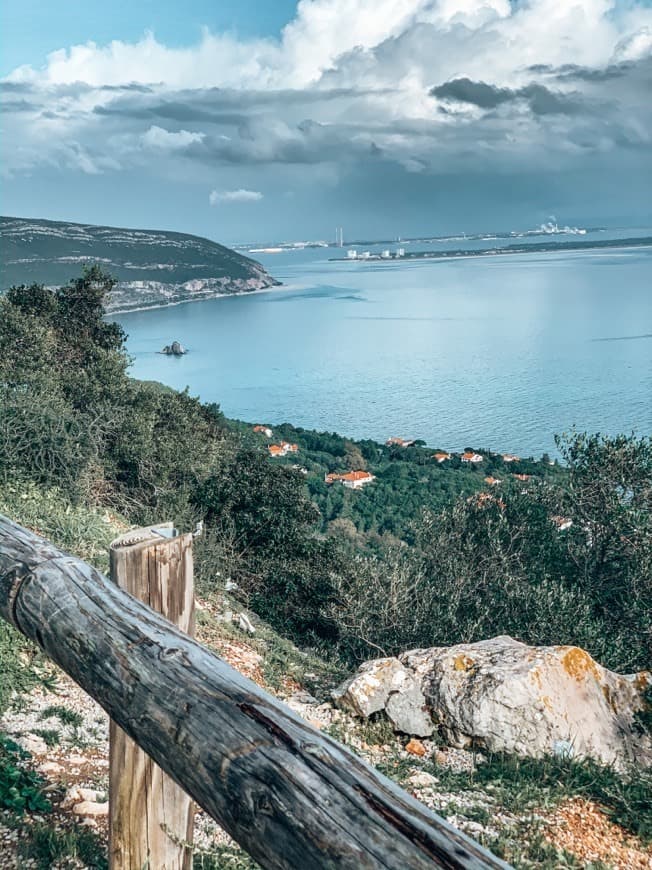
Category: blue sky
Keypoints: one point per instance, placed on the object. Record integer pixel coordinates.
(34, 28)
(261, 120)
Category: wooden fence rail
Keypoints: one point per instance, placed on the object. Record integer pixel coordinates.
(292, 797)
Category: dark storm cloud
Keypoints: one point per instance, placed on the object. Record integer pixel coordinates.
(18, 106)
(183, 113)
(214, 104)
(541, 100)
(267, 140)
(574, 72)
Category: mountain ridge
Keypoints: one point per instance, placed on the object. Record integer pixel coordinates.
(153, 268)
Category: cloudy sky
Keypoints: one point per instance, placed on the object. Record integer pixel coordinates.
(257, 120)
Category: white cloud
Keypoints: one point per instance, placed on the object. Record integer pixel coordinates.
(348, 80)
(158, 137)
(241, 195)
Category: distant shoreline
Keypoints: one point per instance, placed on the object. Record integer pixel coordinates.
(511, 250)
(206, 298)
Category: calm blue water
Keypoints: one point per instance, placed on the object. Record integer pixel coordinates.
(496, 352)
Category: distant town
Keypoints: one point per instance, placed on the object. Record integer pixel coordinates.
(540, 248)
(549, 228)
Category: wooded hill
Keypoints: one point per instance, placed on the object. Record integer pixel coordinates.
(151, 267)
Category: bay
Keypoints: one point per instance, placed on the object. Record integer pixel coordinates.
(494, 352)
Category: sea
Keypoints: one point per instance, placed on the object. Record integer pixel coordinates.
(497, 352)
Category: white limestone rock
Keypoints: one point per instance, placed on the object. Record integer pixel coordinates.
(385, 684)
(501, 695)
(505, 696)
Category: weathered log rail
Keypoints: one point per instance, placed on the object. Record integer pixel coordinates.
(292, 797)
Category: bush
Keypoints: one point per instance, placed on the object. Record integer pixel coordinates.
(501, 566)
(20, 787)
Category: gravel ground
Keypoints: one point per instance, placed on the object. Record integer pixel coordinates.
(77, 772)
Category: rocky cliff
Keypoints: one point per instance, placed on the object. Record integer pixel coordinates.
(152, 267)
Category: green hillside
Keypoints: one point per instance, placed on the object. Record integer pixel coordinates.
(151, 267)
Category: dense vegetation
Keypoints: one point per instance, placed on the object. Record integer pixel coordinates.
(419, 557)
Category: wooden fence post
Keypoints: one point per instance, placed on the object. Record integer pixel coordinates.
(150, 816)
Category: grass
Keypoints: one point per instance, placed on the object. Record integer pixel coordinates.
(63, 714)
(46, 846)
(21, 665)
(224, 858)
(519, 785)
(77, 529)
(522, 783)
(281, 659)
(50, 736)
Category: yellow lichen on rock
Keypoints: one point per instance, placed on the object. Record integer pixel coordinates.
(577, 663)
(463, 663)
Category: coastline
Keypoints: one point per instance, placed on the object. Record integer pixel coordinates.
(203, 298)
(497, 252)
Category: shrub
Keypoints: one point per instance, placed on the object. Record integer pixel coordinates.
(20, 787)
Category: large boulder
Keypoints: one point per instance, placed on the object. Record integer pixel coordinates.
(504, 696)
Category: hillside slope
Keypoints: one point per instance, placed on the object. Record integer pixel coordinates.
(152, 267)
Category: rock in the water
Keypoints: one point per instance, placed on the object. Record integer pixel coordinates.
(174, 349)
(506, 696)
(385, 684)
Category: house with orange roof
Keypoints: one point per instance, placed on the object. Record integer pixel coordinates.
(510, 457)
(523, 476)
(263, 430)
(350, 479)
(356, 479)
(469, 456)
(491, 480)
(441, 457)
(282, 449)
(398, 442)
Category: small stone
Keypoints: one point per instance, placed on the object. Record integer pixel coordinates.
(32, 744)
(421, 779)
(303, 698)
(50, 768)
(416, 747)
(76, 795)
(245, 624)
(91, 808)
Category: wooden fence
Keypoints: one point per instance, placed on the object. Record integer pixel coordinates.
(292, 797)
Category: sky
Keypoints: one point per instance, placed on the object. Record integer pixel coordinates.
(253, 120)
